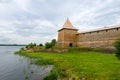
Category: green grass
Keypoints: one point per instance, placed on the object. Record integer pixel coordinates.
(78, 65)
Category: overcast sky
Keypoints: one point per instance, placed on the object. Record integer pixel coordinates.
(25, 21)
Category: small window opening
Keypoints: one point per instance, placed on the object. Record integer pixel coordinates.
(117, 29)
(70, 45)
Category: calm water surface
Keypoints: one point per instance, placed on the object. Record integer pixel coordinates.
(15, 67)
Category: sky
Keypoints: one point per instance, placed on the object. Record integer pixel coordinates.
(26, 21)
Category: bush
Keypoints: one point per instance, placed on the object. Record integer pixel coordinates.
(22, 49)
(48, 45)
(117, 48)
(51, 44)
(40, 44)
(31, 45)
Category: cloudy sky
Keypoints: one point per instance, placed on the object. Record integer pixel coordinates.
(25, 21)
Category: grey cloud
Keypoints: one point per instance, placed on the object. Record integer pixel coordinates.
(24, 29)
(34, 27)
(38, 22)
(4, 40)
(4, 1)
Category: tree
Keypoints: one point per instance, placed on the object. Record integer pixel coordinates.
(117, 48)
(53, 42)
(31, 45)
(34, 44)
(48, 45)
(40, 44)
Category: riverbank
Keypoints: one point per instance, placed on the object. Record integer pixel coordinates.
(80, 65)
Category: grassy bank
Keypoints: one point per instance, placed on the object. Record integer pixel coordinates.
(80, 65)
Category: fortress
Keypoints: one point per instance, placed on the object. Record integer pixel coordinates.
(68, 36)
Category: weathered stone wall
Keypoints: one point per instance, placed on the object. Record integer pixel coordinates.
(103, 38)
(67, 37)
(60, 38)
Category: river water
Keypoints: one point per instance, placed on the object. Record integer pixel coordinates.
(15, 67)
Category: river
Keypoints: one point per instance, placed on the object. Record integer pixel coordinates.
(15, 67)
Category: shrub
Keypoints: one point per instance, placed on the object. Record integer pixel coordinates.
(48, 45)
(40, 44)
(117, 48)
(51, 44)
(31, 45)
(22, 49)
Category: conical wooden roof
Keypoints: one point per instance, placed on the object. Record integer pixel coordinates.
(68, 25)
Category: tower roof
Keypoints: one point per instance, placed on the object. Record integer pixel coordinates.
(68, 25)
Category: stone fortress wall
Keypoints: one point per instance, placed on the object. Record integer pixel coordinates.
(68, 36)
(99, 38)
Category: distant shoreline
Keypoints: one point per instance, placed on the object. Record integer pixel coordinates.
(12, 45)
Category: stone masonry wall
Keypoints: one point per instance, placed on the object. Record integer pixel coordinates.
(67, 36)
(103, 38)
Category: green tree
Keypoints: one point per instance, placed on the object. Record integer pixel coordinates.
(34, 44)
(31, 45)
(40, 44)
(48, 45)
(117, 48)
(53, 42)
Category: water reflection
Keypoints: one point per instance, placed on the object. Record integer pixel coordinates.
(15, 67)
